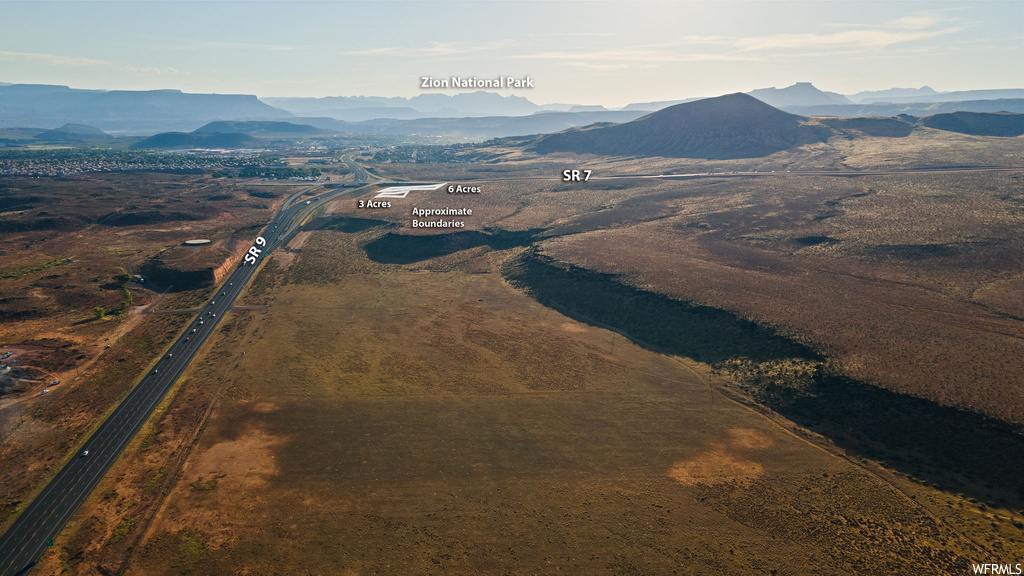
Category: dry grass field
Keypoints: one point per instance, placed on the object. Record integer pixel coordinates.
(429, 418)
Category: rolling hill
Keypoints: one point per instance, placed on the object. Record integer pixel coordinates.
(74, 133)
(169, 140)
(476, 128)
(232, 134)
(730, 126)
(977, 124)
(261, 128)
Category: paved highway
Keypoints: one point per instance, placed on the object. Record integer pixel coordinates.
(358, 172)
(23, 544)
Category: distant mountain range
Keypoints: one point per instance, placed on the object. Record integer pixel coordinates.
(467, 116)
(133, 112)
(888, 95)
(805, 98)
(732, 126)
(799, 94)
(910, 108)
(961, 96)
(357, 108)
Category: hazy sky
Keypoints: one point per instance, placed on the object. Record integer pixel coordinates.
(609, 53)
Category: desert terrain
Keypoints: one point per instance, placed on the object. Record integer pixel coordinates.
(778, 372)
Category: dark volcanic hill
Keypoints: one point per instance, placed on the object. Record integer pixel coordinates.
(231, 134)
(261, 128)
(730, 126)
(977, 123)
(74, 133)
(168, 140)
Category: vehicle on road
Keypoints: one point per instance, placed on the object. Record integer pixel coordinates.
(193, 330)
(155, 370)
(169, 355)
(47, 391)
(85, 453)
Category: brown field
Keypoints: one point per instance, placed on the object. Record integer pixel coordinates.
(430, 419)
(106, 224)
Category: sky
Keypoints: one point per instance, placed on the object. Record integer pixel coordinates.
(611, 53)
